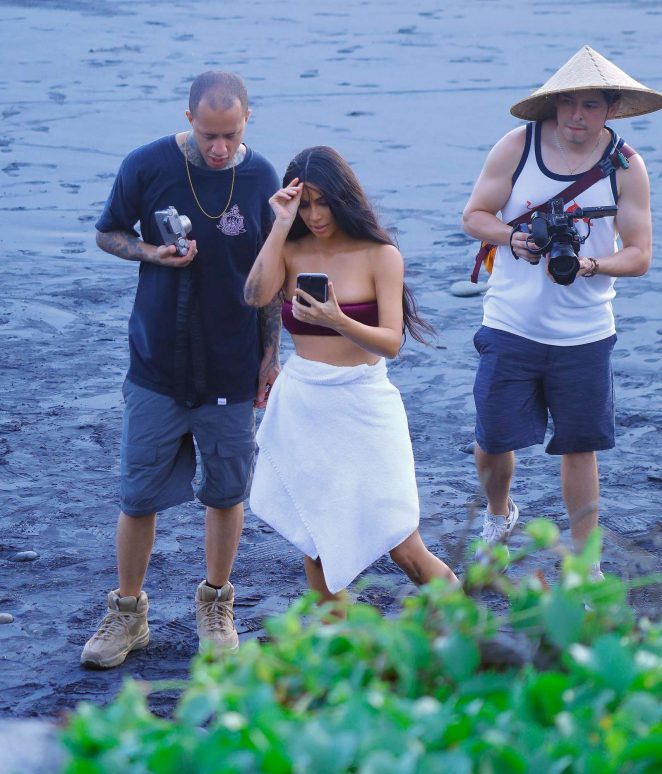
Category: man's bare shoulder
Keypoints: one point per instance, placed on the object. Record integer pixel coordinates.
(502, 160)
(511, 145)
(633, 181)
(636, 168)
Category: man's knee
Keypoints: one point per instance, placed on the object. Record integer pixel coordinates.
(222, 513)
(136, 517)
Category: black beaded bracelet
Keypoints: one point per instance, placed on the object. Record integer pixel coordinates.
(512, 234)
(594, 268)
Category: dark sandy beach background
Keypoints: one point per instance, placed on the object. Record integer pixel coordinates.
(414, 94)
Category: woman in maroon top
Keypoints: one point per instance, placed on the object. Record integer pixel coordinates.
(335, 470)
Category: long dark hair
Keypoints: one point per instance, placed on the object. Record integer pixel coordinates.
(325, 169)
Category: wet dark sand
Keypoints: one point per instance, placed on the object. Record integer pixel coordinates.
(414, 95)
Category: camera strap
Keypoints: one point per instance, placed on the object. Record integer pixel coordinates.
(189, 344)
(605, 167)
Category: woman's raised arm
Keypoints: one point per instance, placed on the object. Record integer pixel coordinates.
(267, 276)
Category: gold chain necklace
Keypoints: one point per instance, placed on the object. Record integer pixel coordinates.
(195, 196)
(584, 160)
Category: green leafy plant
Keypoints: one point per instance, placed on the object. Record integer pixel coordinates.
(566, 681)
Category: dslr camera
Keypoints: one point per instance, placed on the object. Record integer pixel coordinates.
(173, 228)
(554, 232)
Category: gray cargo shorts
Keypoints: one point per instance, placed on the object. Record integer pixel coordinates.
(158, 459)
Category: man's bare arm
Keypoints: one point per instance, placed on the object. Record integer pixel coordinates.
(633, 223)
(131, 248)
(492, 190)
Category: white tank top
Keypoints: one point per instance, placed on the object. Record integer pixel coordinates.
(521, 298)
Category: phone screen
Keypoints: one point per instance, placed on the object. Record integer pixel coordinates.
(317, 285)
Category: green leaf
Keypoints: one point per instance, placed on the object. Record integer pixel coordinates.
(544, 695)
(452, 762)
(648, 750)
(593, 547)
(613, 663)
(562, 618)
(543, 532)
(197, 707)
(459, 655)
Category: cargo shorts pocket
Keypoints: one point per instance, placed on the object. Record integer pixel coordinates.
(153, 463)
(154, 477)
(138, 466)
(227, 471)
(138, 456)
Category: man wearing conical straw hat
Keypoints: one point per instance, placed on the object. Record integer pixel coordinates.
(548, 327)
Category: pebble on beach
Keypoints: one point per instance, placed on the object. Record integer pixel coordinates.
(25, 556)
(6, 618)
(465, 288)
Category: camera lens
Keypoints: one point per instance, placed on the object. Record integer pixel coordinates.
(185, 224)
(563, 263)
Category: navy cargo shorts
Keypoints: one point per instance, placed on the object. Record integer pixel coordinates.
(520, 383)
(158, 459)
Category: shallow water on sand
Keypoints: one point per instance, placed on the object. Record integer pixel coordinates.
(414, 95)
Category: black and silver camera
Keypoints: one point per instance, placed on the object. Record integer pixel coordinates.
(554, 232)
(173, 228)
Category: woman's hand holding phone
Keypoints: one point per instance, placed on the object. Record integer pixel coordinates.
(325, 313)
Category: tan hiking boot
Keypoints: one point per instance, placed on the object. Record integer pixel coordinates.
(214, 616)
(123, 629)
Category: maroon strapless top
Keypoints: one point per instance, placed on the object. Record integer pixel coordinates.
(365, 313)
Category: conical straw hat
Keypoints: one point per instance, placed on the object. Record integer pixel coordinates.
(589, 70)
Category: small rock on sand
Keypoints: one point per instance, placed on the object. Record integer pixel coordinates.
(25, 556)
(465, 288)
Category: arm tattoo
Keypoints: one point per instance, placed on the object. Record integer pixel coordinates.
(252, 287)
(270, 326)
(124, 245)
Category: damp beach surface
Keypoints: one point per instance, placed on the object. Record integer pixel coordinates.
(413, 95)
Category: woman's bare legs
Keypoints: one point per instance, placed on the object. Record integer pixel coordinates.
(420, 565)
(316, 581)
(411, 555)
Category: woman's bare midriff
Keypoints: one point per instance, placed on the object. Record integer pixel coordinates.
(334, 350)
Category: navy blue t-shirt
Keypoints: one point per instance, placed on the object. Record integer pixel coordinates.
(152, 178)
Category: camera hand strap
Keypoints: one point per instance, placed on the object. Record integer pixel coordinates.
(618, 158)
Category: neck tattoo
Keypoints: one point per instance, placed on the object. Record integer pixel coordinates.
(236, 159)
(584, 158)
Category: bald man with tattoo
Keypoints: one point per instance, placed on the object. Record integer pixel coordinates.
(201, 359)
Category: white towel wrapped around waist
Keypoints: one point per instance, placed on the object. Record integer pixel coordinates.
(335, 469)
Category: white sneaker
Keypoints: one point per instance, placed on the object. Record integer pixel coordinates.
(595, 575)
(497, 528)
